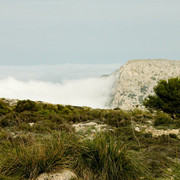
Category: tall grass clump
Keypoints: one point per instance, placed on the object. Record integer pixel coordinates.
(29, 159)
(108, 159)
(176, 171)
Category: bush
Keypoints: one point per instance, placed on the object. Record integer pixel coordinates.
(45, 126)
(66, 110)
(4, 109)
(162, 119)
(9, 120)
(50, 107)
(117, 118)
(26, 105)
(173, 135)
(60, 107)
(166, 98)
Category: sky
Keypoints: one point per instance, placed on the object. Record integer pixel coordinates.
(53, 32)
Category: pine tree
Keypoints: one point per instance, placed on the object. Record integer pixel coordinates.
(166, 98)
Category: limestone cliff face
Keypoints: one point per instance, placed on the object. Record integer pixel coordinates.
(136, 79)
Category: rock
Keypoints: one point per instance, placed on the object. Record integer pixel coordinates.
(64, 175)
(136, 79)
(156, 132)
(31, 124)
(137, 129)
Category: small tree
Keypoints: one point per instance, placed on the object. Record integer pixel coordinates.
(166, 98)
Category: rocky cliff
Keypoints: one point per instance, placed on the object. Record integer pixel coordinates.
(135, 80)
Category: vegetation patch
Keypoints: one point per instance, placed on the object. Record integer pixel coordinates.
(106, 144)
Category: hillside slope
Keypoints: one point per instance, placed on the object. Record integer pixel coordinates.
(136, 79)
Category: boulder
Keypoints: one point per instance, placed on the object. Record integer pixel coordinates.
(63, 175)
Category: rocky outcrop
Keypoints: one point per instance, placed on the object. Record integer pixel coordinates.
(136, 79)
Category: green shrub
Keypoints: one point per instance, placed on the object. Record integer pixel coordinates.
(177, 123)
(4, 109)
(137, 112)
(116, 118)
(139, 115)
(9, 120)
(166, 98)
(50, 107)
(95, 113)
(26, 105)
(45, 126)
(172, 135)
(66, 110)
(60, 107)
(117, 109)
(162, 119)
(4, 122)
(75, 118)
(25, 127)
(28, 116)
(57, 118)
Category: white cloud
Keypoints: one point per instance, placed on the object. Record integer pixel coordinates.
(93, 92)
(74, 84)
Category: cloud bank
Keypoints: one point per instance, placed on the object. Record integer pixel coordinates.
(80, 85)
(92, 92)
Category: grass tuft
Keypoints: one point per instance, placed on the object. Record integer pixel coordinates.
(33, 158)
(108, 159)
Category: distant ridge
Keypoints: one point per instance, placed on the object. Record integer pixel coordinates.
(136, 79)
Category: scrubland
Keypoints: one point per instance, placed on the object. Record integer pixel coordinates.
(37, 137)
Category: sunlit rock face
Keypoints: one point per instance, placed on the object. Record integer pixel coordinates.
(136, 79)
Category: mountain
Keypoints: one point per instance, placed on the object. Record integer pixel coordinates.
(135, 80)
